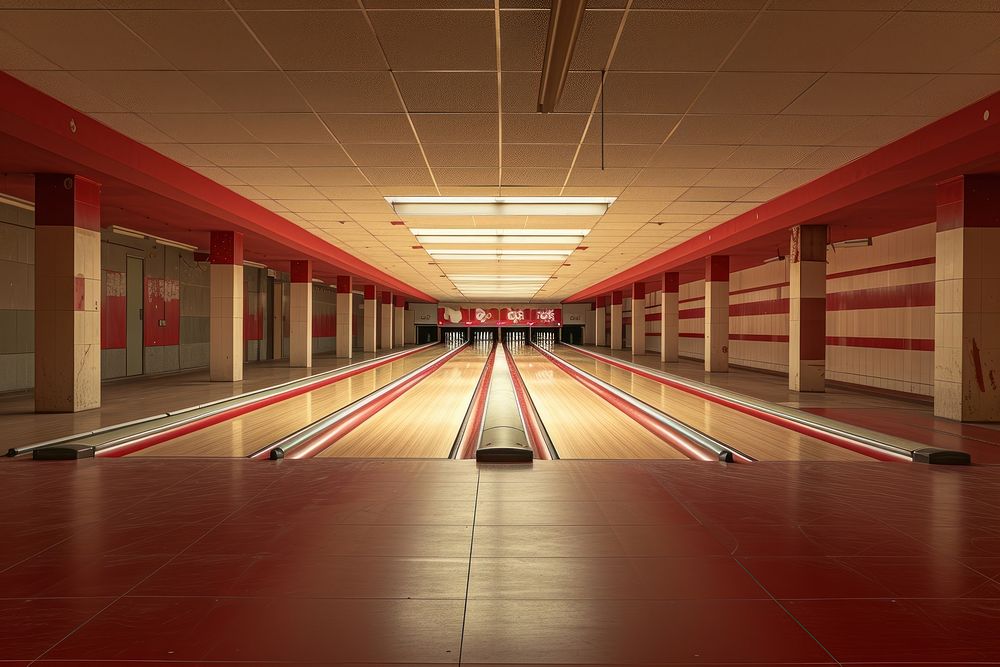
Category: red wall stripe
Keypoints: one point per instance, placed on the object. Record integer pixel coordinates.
(882, 267)
(898, 296)
(691, 314)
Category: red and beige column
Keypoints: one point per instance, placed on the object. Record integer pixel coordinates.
(369, 331)
(67, 293)
(669, 322)
(385, 336)
(345, 316)
(638, 318)
(807, 308)
(717, 313)
(967, 299)
(226, 323)
(398, 317)
(300, 315)
(600, 321)
(617, 320)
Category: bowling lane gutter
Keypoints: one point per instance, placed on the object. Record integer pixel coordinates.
(198, 417)
(538, 437)
(468, 434)
(310, 440)
(818, 428)
(689, 441)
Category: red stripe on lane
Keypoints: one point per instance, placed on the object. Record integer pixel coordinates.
(478, 409)
(533, 430)
(772, 418)
(317, 444)
(667, 435)
(141, 443)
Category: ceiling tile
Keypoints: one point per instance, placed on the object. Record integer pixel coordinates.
(151, 91)
(767, 156)
(317, 40)
(456, 128)
(651, 92)
(132, 126)
(752, 92)
(437, 40)
(82, 40)
(520, 92)
(197, 128)
(237, 155)
(670, 155)
(284, 128)
(728, 130)
(198, 40)
(803, 41)
(250, 91)
(791, 130)
(669, 41)
(856, 94)
(348, 92)
(632, 128)
(462, 155)
(543, 128)
(451, 92)
(310, 155)
(386, 155)
(945, 39)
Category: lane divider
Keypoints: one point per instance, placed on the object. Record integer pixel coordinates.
(309, 441)
(881, 451)
(468, 435)
(688, 441)
(218, 411)
(537, 436)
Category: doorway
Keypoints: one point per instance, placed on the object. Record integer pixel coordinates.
(133, 315)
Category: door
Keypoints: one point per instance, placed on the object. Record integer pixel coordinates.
(133, 315)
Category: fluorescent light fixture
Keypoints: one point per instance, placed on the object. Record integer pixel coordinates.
(482, 252)
(466, 278)
(502, 239)
(254, 264)
(498, 232)
(414, 206)
(779, 258)
(125, 231)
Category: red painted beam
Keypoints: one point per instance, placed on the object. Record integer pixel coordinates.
(40, 134)
(904, 171)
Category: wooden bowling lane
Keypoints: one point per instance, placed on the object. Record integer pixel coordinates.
(423, 422)
(243, 435)
(760, 439)
(580, 423)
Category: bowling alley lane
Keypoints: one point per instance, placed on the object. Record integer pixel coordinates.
(760, 439)
(243, 435)
(581, 424)
(423, 422)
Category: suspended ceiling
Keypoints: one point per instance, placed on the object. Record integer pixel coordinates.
(319, 109)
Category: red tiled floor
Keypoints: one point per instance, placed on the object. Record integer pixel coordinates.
(338, 562)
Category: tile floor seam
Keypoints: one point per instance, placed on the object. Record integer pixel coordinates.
(468, 575)
(83, 624)
(786, 610)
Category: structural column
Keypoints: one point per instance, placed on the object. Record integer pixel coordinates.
(617, 321)
(226, 289)
(717, 313)
(967, 299)
(638, 318)
(300, 315)
(669, 322)
(67, 293)
(385, 338)
(345, 317)
(369, 332)
(590, 327)
(807, 308)
(398, 328)
(600, 322)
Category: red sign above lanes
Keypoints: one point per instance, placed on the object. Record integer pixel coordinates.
(494, 317)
